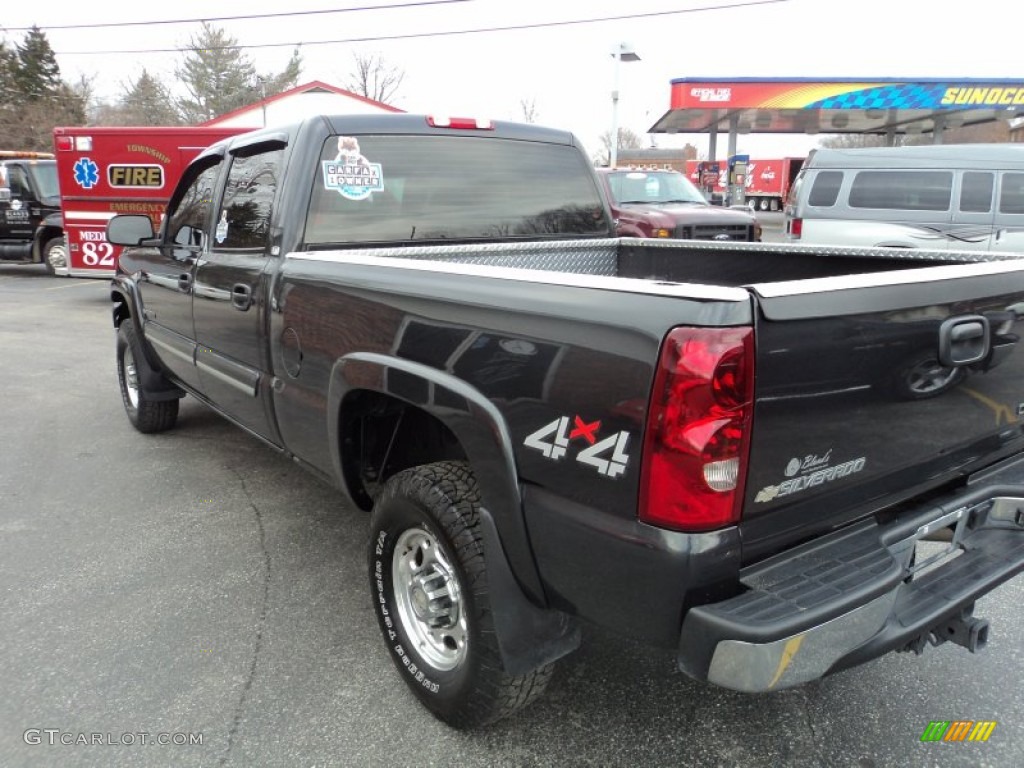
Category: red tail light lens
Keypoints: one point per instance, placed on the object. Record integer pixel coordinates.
(796, 228)
(698, 429)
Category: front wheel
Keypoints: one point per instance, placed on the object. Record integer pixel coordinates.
(146, 414)
(430, 591)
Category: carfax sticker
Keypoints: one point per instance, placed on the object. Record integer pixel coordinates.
(350, 174)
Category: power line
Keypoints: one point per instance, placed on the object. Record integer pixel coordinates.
(444, 33)
(238, 18)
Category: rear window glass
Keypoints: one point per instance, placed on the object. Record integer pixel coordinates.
(410, 188)
(1011, 193)
(902, 190)
(825, 190)
(976, 192)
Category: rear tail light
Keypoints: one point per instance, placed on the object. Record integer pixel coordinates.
(698, 429)
(465, 123)
(796, 228)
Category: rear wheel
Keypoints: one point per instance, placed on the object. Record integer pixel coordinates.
(924, 376)
(55, 255)
(146, 414)
(429, 586)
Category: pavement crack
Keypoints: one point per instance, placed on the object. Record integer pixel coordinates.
(243, 698)
(806, 706)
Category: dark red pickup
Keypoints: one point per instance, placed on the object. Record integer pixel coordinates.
(665, 204)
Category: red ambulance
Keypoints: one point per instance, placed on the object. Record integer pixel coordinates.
(103, 171)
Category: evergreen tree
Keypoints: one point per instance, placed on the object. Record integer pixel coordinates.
(8, 65)
(33, 98)
(289, 78)
(36, 75)
(147, 101)
(219, 77)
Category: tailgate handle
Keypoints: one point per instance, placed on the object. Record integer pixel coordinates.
(963, 340)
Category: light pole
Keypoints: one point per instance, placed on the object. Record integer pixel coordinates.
(624, 52)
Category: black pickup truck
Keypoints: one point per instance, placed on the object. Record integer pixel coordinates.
(780, 460)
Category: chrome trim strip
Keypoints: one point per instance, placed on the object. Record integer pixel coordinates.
(908, 276)
(167, 346)
(365, 257)
(249, 388)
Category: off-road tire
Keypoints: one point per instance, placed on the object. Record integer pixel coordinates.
(454, 670)
(145, 414)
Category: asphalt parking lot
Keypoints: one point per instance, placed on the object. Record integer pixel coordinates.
(196, 582)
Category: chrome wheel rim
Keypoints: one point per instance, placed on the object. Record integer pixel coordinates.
(131, 378)
(57, 257)
(429, 600)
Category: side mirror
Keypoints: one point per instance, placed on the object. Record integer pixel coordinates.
(5, 194)
(129, 229)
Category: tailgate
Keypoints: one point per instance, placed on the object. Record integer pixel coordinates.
(873, 389)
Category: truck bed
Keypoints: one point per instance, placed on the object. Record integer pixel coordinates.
(843, 338)
(719, 264)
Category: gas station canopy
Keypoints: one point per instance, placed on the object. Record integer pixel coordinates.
(842, 105)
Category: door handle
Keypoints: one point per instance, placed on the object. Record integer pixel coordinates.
(184, 282)
(241, 296)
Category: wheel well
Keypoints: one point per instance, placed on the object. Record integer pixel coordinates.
(42, 238)
(121, 311)
(382, 435)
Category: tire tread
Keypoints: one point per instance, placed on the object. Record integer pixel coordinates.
(450, 493)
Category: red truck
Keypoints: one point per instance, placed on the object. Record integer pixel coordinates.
(768, 181)
(663, 204)
(103, 171)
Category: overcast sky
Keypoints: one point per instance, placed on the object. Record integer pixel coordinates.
(566, 70)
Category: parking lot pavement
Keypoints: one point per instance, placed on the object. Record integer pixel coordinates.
(198, 584)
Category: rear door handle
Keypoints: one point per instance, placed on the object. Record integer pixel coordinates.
(241, 296)
(184, 282)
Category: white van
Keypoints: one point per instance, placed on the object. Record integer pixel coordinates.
(951, 196)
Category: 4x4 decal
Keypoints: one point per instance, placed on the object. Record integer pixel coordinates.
(608, 455)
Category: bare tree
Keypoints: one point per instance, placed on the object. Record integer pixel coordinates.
(374, 78)
(145, 101)
(529, 109)
(627, 140)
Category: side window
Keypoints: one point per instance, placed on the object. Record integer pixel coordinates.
(244, 218)
(18, 183)
(190, 219)
(825, 190)
(902, 190)
(976, 192)
(1011, 193)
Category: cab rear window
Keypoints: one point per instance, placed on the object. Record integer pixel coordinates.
(439, 188)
